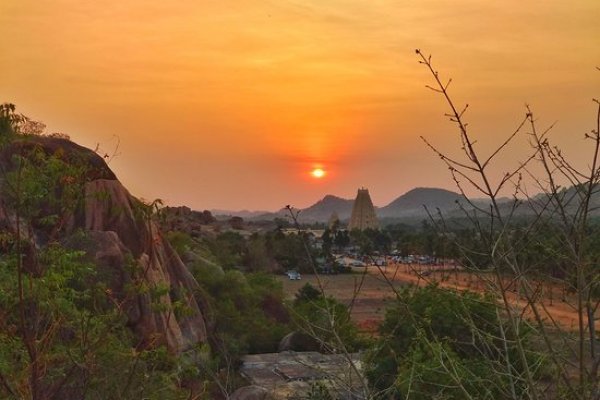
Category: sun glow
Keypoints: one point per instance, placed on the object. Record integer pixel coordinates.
(318, 173)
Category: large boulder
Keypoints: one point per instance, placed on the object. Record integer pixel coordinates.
(251, 392)
(298, 341)
(119, 231)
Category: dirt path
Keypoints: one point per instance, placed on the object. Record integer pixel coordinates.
(553, 304)
(370, 292)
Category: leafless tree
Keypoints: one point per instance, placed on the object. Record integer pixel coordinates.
(513, 279)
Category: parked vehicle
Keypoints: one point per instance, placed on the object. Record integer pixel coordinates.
(380, 262)
(294, 275)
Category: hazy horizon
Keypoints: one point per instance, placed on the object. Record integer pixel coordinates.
(310, 203)
(231, 105)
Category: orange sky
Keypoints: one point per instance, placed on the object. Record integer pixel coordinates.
(230, 104)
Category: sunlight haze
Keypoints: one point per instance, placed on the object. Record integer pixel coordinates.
(234, 104)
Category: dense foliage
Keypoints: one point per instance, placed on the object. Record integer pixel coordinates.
(66, 333)
(247, 310)
(437, 343)
(62, 331)
(326, 320)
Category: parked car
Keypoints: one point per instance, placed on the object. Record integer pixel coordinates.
(294, 275)
(380, 262)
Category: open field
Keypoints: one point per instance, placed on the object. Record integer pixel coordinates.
(554, 303)
(368, 291)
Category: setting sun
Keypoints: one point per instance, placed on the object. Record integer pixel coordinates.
(318, 173)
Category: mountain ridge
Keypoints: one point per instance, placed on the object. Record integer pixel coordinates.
(418, 201)
(411, 205)
(408, 205)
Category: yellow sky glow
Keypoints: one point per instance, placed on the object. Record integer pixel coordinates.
(227, 104)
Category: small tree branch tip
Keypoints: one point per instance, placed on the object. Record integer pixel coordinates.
(434, 89)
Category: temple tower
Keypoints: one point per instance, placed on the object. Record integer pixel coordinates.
(363, 212)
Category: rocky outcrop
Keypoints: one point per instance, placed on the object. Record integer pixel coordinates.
(298, 341)
(110, 208)
(119, 235)
(184, 219)
(251, 392)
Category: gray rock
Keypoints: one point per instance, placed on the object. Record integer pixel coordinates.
(251, 392)
(298, 341)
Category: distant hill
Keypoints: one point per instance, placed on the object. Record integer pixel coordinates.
(571, 198)
(246, 214)
(410, 207)
(413, 203)
(322, 209)
(319, 212)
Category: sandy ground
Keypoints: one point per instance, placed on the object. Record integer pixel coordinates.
(368, 293)
(554, 304)
(370, 289)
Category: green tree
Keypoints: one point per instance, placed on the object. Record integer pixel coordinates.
(248, 311)
(257, 257)
(307, 293)
(342, 239)
(228, 248)
(438, 343)
(62, 331)
(326, 320)
(290, 252)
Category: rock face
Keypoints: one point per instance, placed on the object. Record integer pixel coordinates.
(298, 341)
(110, 208)
(251, 392)
(122, 239)
(183, 219)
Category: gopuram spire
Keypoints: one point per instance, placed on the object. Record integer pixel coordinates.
(363, 212)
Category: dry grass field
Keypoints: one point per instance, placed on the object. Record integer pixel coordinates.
(369, 290)
(365, 290)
